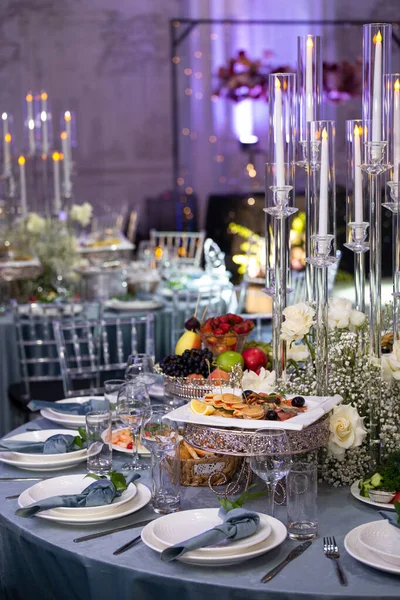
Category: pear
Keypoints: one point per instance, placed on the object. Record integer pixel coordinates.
(187, 341)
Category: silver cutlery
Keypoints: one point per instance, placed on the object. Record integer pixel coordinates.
(13, 497)
(93, 536)
(128, 545)
(292, 554)
(332, 551)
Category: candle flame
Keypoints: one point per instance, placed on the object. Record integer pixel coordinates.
(397, 85)
(378, 38)
(21, 160)
(310, 43)
(324, 134)
(63, 135)
(67, 116)
(55, 156)
(7, 137)
(277, 83)
(61, 156)
(29, 97)
(357, 130)
(43, 96)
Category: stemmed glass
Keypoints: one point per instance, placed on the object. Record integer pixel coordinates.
(161, 437)
(270, 459)
(132, 403)
(141, 366)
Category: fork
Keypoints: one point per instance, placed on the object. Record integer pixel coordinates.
(332, 551)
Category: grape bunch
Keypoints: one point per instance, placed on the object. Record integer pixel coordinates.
(191, 361)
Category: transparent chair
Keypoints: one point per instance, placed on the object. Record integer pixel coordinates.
(92, 351)
(183, 246)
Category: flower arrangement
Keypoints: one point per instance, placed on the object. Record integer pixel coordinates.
(245, 78)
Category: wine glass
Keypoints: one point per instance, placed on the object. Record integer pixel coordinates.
(270, 459)
(132, 403)
(142, 367)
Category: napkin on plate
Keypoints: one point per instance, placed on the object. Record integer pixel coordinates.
(56, 444)
(98, 493)
(71, 408)
(391, 517)
(237, 524)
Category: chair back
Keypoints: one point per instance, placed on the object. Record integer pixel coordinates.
(90, 349)
(185, 246)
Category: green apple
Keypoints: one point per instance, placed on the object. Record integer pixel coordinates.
(229, 359)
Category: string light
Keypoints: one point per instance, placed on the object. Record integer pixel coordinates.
(219, 158)
(187, 210)
(189, 190)
(252, 172)
(180, 181)
(251, 201)
(188, 91)
(185, 131)
(188, 71)
(176, 60)
(250, 167)
(212, 139)
(198, 95)
(176, 23)
(193, 135)
(198, 74)
(222, 179)
(198, 54)
(213, 36)
(214, 98)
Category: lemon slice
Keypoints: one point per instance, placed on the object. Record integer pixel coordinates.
(200, 408)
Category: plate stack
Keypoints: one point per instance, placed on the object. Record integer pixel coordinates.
(376, 544)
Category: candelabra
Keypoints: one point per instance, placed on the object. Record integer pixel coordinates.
(320, 150)
(279, 197)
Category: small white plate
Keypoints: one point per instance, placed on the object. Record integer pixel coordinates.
(177, 527)
(141, 449)
(75, 484)
(382, 538)
(132, 305)
(9, 458)
(41, 436)
(355, 491)
(357, 550)
(277, 536)
(142, 498)
(65, 419)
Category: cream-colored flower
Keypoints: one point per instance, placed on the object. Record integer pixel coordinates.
(35, 224)
(81, 213)
(264, 382)
(341, 314)
(347, 430)
(391, 363)
(357, 318)
(299, 319)
(298, 352)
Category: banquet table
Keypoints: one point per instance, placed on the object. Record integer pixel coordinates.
(38, 559)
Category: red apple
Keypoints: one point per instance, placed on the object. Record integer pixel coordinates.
(254, 359)
(396, 498)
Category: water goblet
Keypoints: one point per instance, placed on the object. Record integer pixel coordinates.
(132, 404)
(270, 459)
(141, 366)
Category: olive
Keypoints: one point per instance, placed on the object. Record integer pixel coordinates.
(385, 350)
(271, 415)
(247, 393)
(298, 401)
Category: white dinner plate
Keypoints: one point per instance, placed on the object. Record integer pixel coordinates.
(74, 484)
(355, 491)
(41, 436)
(132, 305)
(383, 539)
(317, 407)
(143, 496)
(11, 458)
(357, 550)
(277, 536)
(141, 449)
(177, 527)
(42, 308)
(68, 420)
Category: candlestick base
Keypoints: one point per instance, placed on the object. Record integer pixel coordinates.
(304, 161)
(394, 194)
(375, 155)
(359, 235)
(281, 208)
(321, 247)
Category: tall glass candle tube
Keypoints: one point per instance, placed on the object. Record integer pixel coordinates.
(309, 86)
(30, 124)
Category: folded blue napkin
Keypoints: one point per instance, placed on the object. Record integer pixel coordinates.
(56, 444)
(72, 408)
(98, 493)
(237, 524)
(391, 517)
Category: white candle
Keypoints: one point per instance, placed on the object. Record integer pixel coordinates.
(30, 121)
(66, 164)
(377, 91)
(56, 182)
(44, 123)
(22, 185)
(309, 80)
(323, 187)
(6, 145)
(279, 154)
(68, 129)
(396, 131)
(358, 199)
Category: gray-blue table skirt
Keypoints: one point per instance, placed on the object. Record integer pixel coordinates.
(39, 560)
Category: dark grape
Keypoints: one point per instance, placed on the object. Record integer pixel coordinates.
(298, 401)
(271, 415)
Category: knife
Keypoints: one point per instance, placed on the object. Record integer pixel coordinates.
(93, 536)
(292, 554)
(128, 545)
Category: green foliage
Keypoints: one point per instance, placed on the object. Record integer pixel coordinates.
(397, 508)
(240, 501)
(118, 479)
(81, 439)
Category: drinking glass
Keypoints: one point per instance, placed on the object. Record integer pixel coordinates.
(301, 490)
(111, 389)
(132, 403)
(270, 459)
(99, 444)
(160, 436)
(141, 366)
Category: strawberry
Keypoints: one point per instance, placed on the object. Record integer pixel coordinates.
(218, 331)
(225, 327)
(224, 319)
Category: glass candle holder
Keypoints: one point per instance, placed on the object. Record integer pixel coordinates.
(322, 188)
(392, 97)
(377, 39)
(309, 86)
(7, 135)
(357, 208)
(31, 109)
(44, 124)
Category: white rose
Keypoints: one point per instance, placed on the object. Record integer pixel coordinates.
(357, 318)
(264, 382)
(35, 224)
(347, 430)
(81, 213)
(298, 352)
(299, 319)
(391, 363)
(341, 315)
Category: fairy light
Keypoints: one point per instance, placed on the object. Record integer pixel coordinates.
(198, 95)
(219, 158)
(213, 36)
(185, 131)
(198, 54)
(188, 91)
(252, 173)
(222, 179)
(193, 135)
(176, 24)
(251, 201)
(198, 74)
(188, 71)
(212, 139)
(180, 181)
(189, 190)
(176, 60)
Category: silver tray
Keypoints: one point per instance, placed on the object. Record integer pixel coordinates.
(182, 387)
